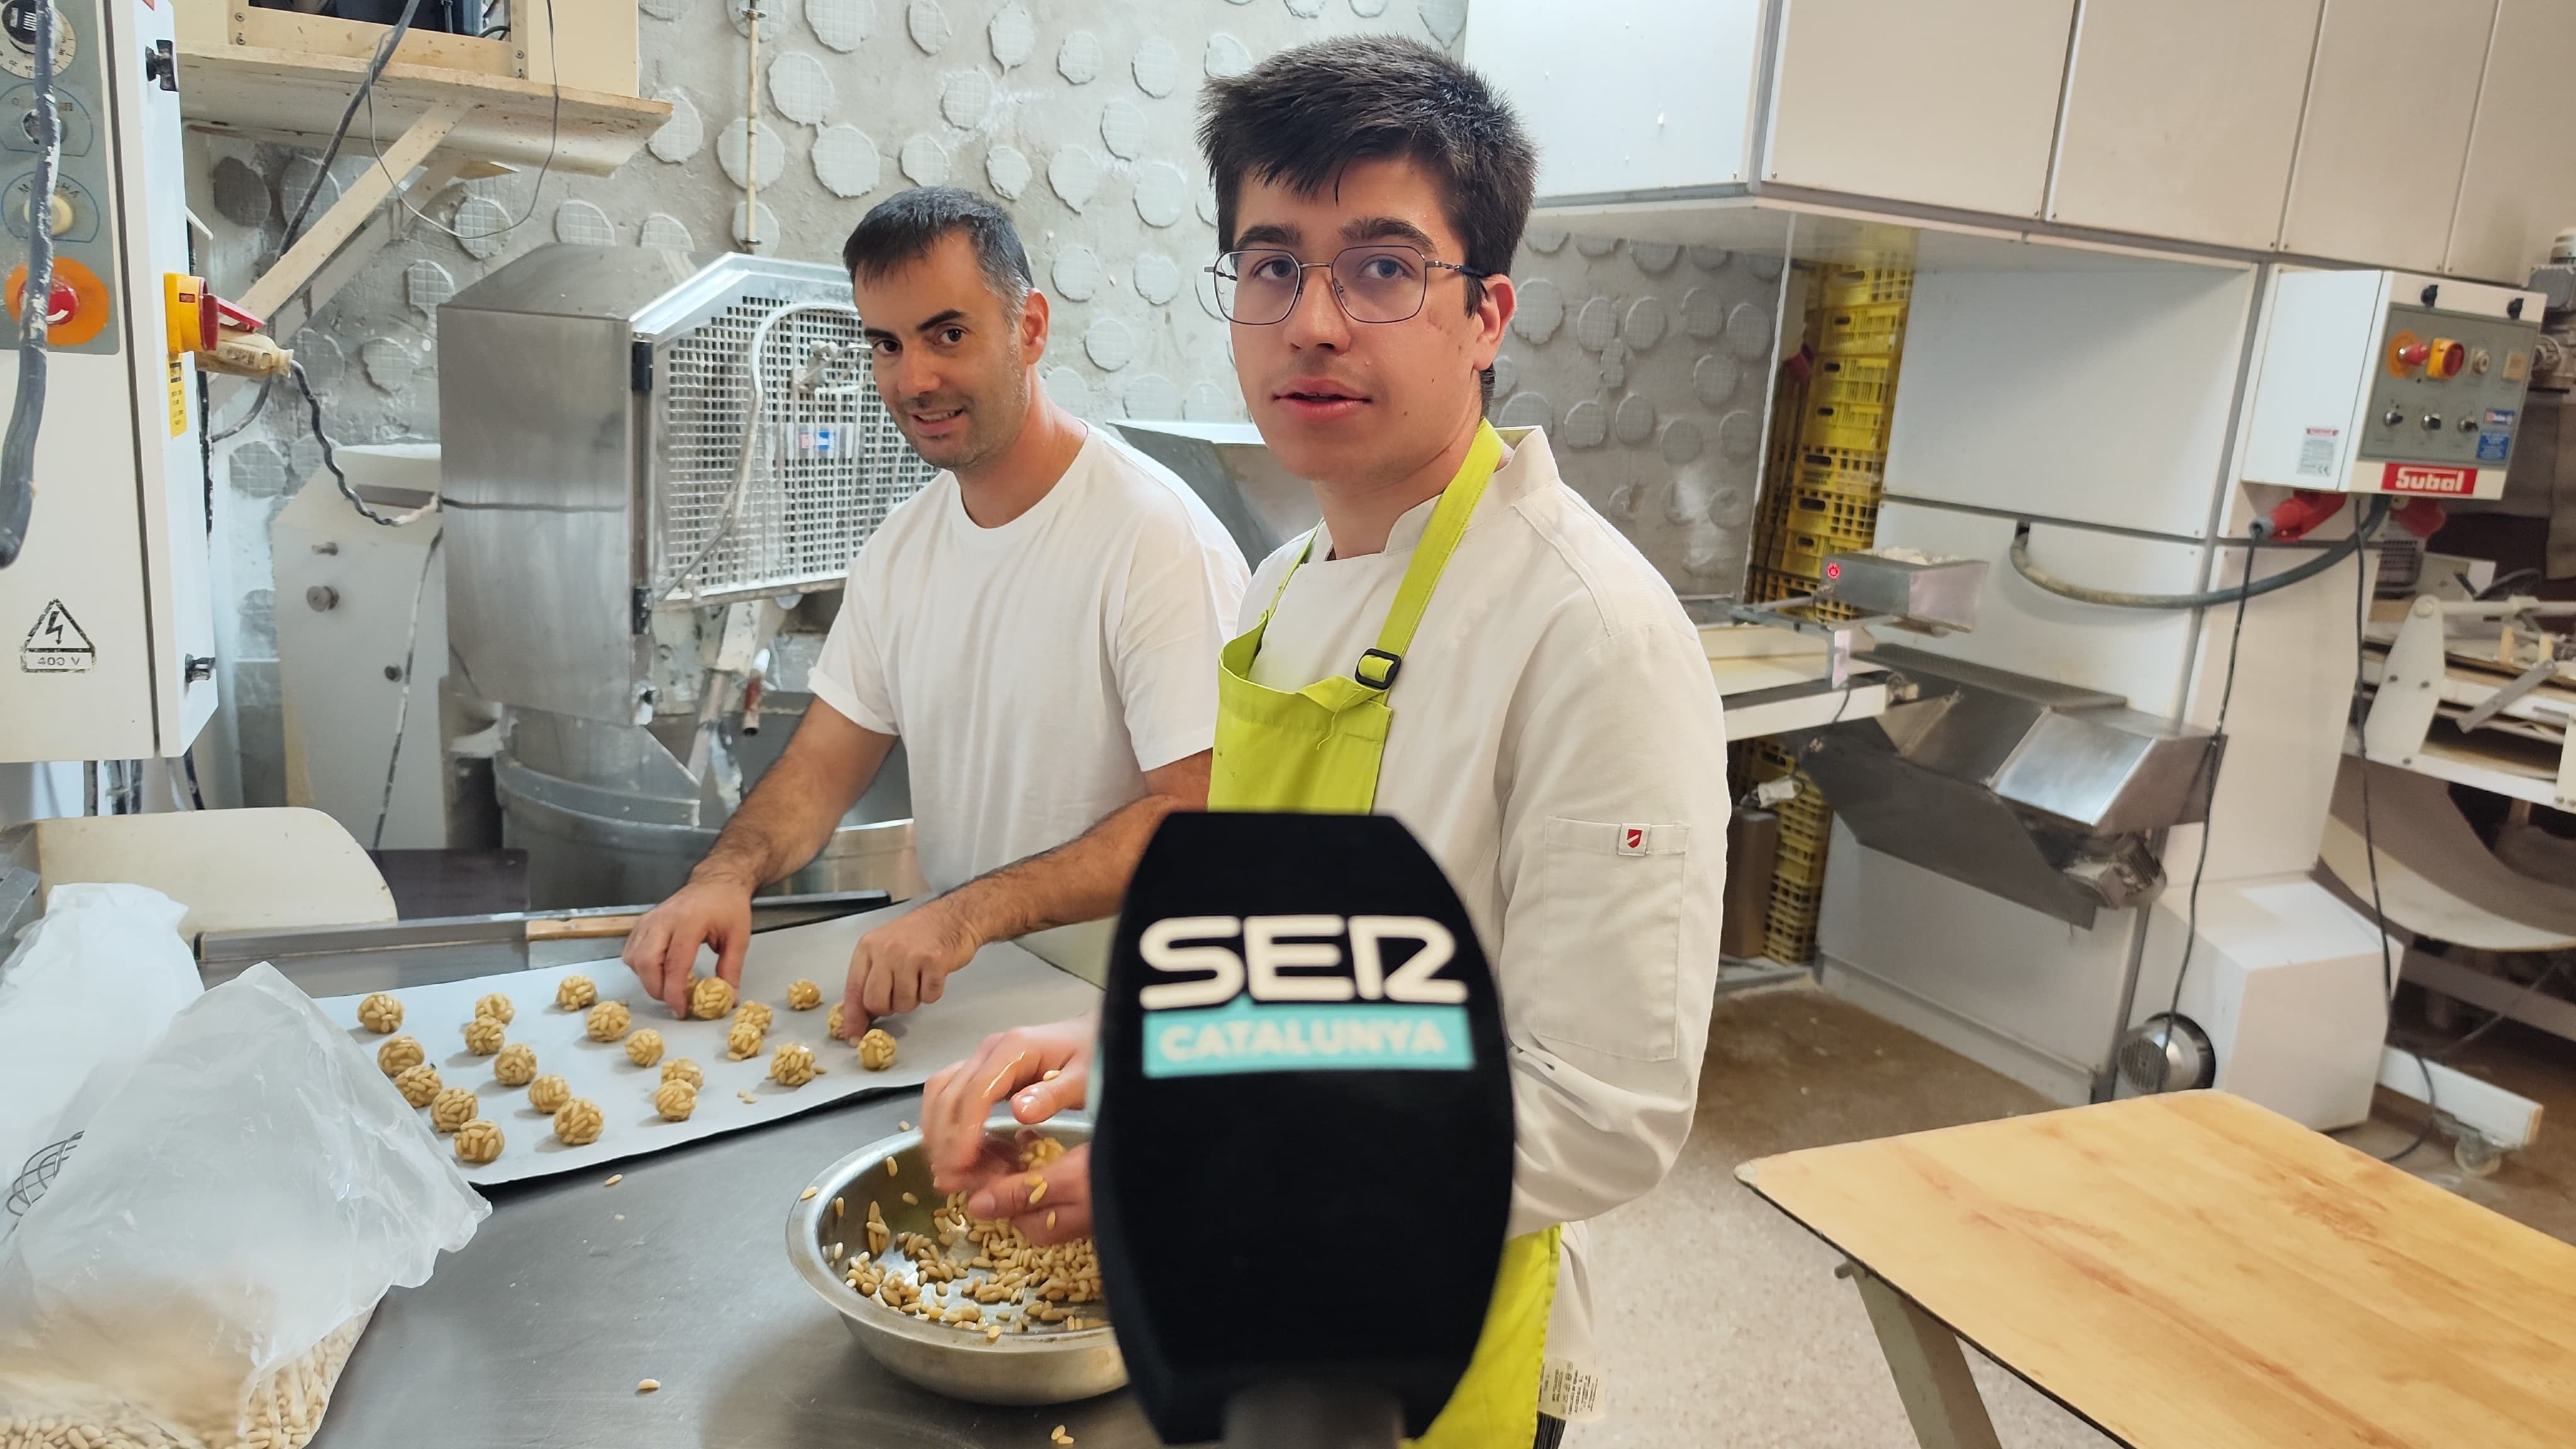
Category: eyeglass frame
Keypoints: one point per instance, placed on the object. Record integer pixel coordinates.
(1344, 303)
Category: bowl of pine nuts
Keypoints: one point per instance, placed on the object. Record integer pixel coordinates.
(962, 1306)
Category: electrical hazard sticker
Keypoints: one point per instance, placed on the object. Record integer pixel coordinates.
(56, 645)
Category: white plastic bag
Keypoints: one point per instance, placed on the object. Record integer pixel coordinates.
(91, 986)
(208, 1255)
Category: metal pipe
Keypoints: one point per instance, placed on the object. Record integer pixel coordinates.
(2206, 598)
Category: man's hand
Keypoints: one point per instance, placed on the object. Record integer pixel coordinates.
(903, 964)
(663, 947)
(1042, 1069)
(1050, 1204)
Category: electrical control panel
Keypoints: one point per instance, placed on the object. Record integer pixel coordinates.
(2388, 382)
(106, 617)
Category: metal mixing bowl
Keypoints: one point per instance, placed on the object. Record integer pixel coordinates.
(1051, 1367)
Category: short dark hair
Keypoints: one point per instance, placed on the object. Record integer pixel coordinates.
(1303, 115)
(902, 229)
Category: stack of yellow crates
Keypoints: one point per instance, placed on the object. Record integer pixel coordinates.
(1820, 493)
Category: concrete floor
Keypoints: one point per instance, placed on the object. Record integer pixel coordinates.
(1721, 1320)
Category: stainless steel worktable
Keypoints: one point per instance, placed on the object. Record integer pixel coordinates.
(537, 1333)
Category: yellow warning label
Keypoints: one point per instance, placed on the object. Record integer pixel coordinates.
(178, 397)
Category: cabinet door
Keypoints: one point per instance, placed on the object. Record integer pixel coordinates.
(2387, 130)
(2519, 189)
(2181, 117)
(1949, 104)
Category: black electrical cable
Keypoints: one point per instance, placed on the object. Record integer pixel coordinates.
(331, 458)
(402, 709)
(367, 84)
(2208, 802)
(196, 795)
(35, 302)
(2207, 598)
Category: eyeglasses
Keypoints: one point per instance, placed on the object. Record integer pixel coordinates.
(1258, 286)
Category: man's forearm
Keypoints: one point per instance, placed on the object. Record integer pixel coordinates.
(1080, 880)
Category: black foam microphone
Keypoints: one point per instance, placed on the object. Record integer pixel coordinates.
(1302, 1166)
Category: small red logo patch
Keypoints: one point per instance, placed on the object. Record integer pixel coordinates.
(1636, 838)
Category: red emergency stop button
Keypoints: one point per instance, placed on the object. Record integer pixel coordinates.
(76, 309)
(2446, 359)
(2407, 352)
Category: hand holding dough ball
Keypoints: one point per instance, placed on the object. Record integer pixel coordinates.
(577, 1122)
(399, 1055)
(516, 1066)
(380, 1014)
(608, 1021)
(803, 996)
(451, 1109)
(549, 1093)
(644, 1048)
(755, 1012)
(793, 1066)
(743, 1042)
(876, 1050)
(575, 993)
(417, 1084)
(710, 998)
(484, 1035)
(681, 1069)
(675, 1100)
(478, 1142)
(495, 1006)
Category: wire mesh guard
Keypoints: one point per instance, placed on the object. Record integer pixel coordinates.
(828, 464)
(38, 1175)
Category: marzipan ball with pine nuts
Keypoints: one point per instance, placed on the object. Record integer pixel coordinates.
(380, 1014)
(484, 1035)
(608, 1021)
(803, 996)
(452, 1108)
(576, 993)
(793, 1066)
(644, 1048)
(577, 1122)
(755, 1012)
(743, 1041)
(478, 1141)
(710, 998)
(495, 1006)
(398, 1055)
(675, 1100)
(516, 1066)
(681, 1069)
(417, 1084)
(876, 1050)
(549, 1093)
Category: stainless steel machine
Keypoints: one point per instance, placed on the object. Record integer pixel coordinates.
(657, 467)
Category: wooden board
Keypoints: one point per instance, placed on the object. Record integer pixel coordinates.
(2192, 1271)
(265, 94)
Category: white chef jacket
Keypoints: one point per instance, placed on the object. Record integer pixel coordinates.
(1559, 748)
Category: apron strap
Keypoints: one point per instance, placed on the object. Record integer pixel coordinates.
(1378, 667)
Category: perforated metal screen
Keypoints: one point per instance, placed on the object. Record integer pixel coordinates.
(828, 466)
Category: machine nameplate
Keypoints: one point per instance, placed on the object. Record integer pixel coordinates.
(2420, 478)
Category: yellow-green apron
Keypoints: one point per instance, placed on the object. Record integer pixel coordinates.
(1319, 750)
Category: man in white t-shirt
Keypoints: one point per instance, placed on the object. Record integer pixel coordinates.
(1039, 626)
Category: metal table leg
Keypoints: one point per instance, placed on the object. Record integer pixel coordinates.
(1931, 1373)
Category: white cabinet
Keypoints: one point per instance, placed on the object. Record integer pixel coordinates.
(1638, 96)
(2181, 117)
(2387, 129)
(2520, 186)
(1948, 105)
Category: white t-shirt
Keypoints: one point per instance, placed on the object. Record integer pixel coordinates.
(1559, 748)
(1037, 670)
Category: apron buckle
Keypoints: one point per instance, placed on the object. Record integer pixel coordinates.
(1394, 663)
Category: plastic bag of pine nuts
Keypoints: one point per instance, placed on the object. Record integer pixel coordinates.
(197, 1273)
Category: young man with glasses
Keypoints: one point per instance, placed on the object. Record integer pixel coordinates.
(1463, 644)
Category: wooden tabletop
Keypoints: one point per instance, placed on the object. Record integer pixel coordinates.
(2192, 1271)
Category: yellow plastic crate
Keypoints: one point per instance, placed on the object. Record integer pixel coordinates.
(1845, 425)
(1857, 286)
(1845, 522)
(1765, 583)
(1791, 936)
(1863, 379)
(1802, 556)
(1865, 483)
(1868, 328)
